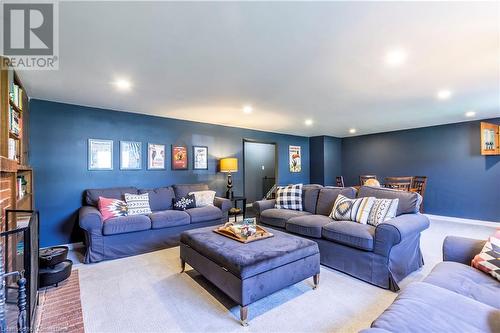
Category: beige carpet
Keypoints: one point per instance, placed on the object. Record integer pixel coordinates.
(146, 293)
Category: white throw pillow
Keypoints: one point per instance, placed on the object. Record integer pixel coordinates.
(356, 210)
(203, 198)
(137, 204)
(383, 210)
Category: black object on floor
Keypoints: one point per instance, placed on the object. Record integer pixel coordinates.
(54, 267)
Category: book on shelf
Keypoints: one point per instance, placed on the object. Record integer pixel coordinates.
(16, 95)
(14, 121)
(12, 149)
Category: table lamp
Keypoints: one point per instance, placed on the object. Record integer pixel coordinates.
(229, 165)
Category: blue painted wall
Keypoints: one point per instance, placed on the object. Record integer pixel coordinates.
(59, 134)
(462, 183)
(325, 159)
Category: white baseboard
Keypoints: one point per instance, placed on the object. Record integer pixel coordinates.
(465, 221)
(71, 246)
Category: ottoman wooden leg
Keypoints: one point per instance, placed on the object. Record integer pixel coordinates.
(244, 315)
(183, 265)
(316, 281)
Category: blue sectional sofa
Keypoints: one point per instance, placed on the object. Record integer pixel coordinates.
(130, 235)
(455, 297)
(381, 255)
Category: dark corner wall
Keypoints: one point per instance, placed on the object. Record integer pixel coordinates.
(325, 159)
(58, 155)
(462, 182)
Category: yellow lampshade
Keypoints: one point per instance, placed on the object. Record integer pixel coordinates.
(229, 164)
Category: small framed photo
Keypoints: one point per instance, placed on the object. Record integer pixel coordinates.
(179, 158)
(156, 156)
(200, 158)
(130, 155)
(100, 154)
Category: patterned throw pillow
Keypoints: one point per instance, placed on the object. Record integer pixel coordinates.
(289, 197)
(356, 210)
(137, 203)
(183, 203)
(382, 210)
(203, 198)
(488, 260)
(111, 208)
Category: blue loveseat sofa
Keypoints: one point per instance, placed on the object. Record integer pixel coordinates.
(454, 297)
(130, 235)
(381, 255)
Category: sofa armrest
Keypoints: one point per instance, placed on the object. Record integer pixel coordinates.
(461, 249)
(90, 219)
(223, 203)
(396, 230)
(262, 205)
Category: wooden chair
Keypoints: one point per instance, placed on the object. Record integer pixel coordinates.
(364, 178)
(399, 183)
(339, 181)
(419, 184)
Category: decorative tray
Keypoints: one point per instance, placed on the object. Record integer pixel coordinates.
(260, 233)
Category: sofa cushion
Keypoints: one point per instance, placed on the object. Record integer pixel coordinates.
(350, 233)
(278, 217)
(160, 198)
(466, 281)
(169, 218)
(124, 224)
(181, 190)
(92, 195)
(328, 195)
(309, 225)
(204, 214)
(310, 197)
(409, 202)
(423, 307)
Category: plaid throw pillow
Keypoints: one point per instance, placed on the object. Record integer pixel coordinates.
(289, 197)
(488, 260)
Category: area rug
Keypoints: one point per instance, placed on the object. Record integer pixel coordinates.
(60, 308)
(147, 293)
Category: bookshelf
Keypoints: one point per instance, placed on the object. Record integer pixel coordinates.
(16, 176)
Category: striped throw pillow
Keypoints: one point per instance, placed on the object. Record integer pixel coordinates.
(356, 210)
(137, 203)
(382, 210)
(488, 260)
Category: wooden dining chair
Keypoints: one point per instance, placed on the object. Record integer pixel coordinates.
(339, 181)
(399, 183)
(419, 184)
(364, 178)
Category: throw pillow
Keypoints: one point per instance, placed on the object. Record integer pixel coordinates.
(111, 208)
(488, 260)
(183, 203)
(137, 203)
(382, 210)
(203, 198)
(356, 210)
(289, 197)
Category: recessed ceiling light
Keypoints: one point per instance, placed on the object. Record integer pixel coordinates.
(308, 122)
(470, 114)
(396, 57)
(247, 109)
(444, 94)
(352, 130)
(122, 84)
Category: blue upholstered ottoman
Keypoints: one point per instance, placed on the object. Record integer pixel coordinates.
(249, 272)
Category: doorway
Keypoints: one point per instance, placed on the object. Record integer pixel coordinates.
(260, 169)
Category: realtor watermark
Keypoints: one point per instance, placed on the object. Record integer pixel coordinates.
(30, 39)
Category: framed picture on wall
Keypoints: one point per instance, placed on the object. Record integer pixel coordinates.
(295, 158)
(156, 156)
(200, 158)
(130, 155)
(179, 158)
(100, 154)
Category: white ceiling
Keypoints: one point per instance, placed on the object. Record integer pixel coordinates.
(290, 61)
